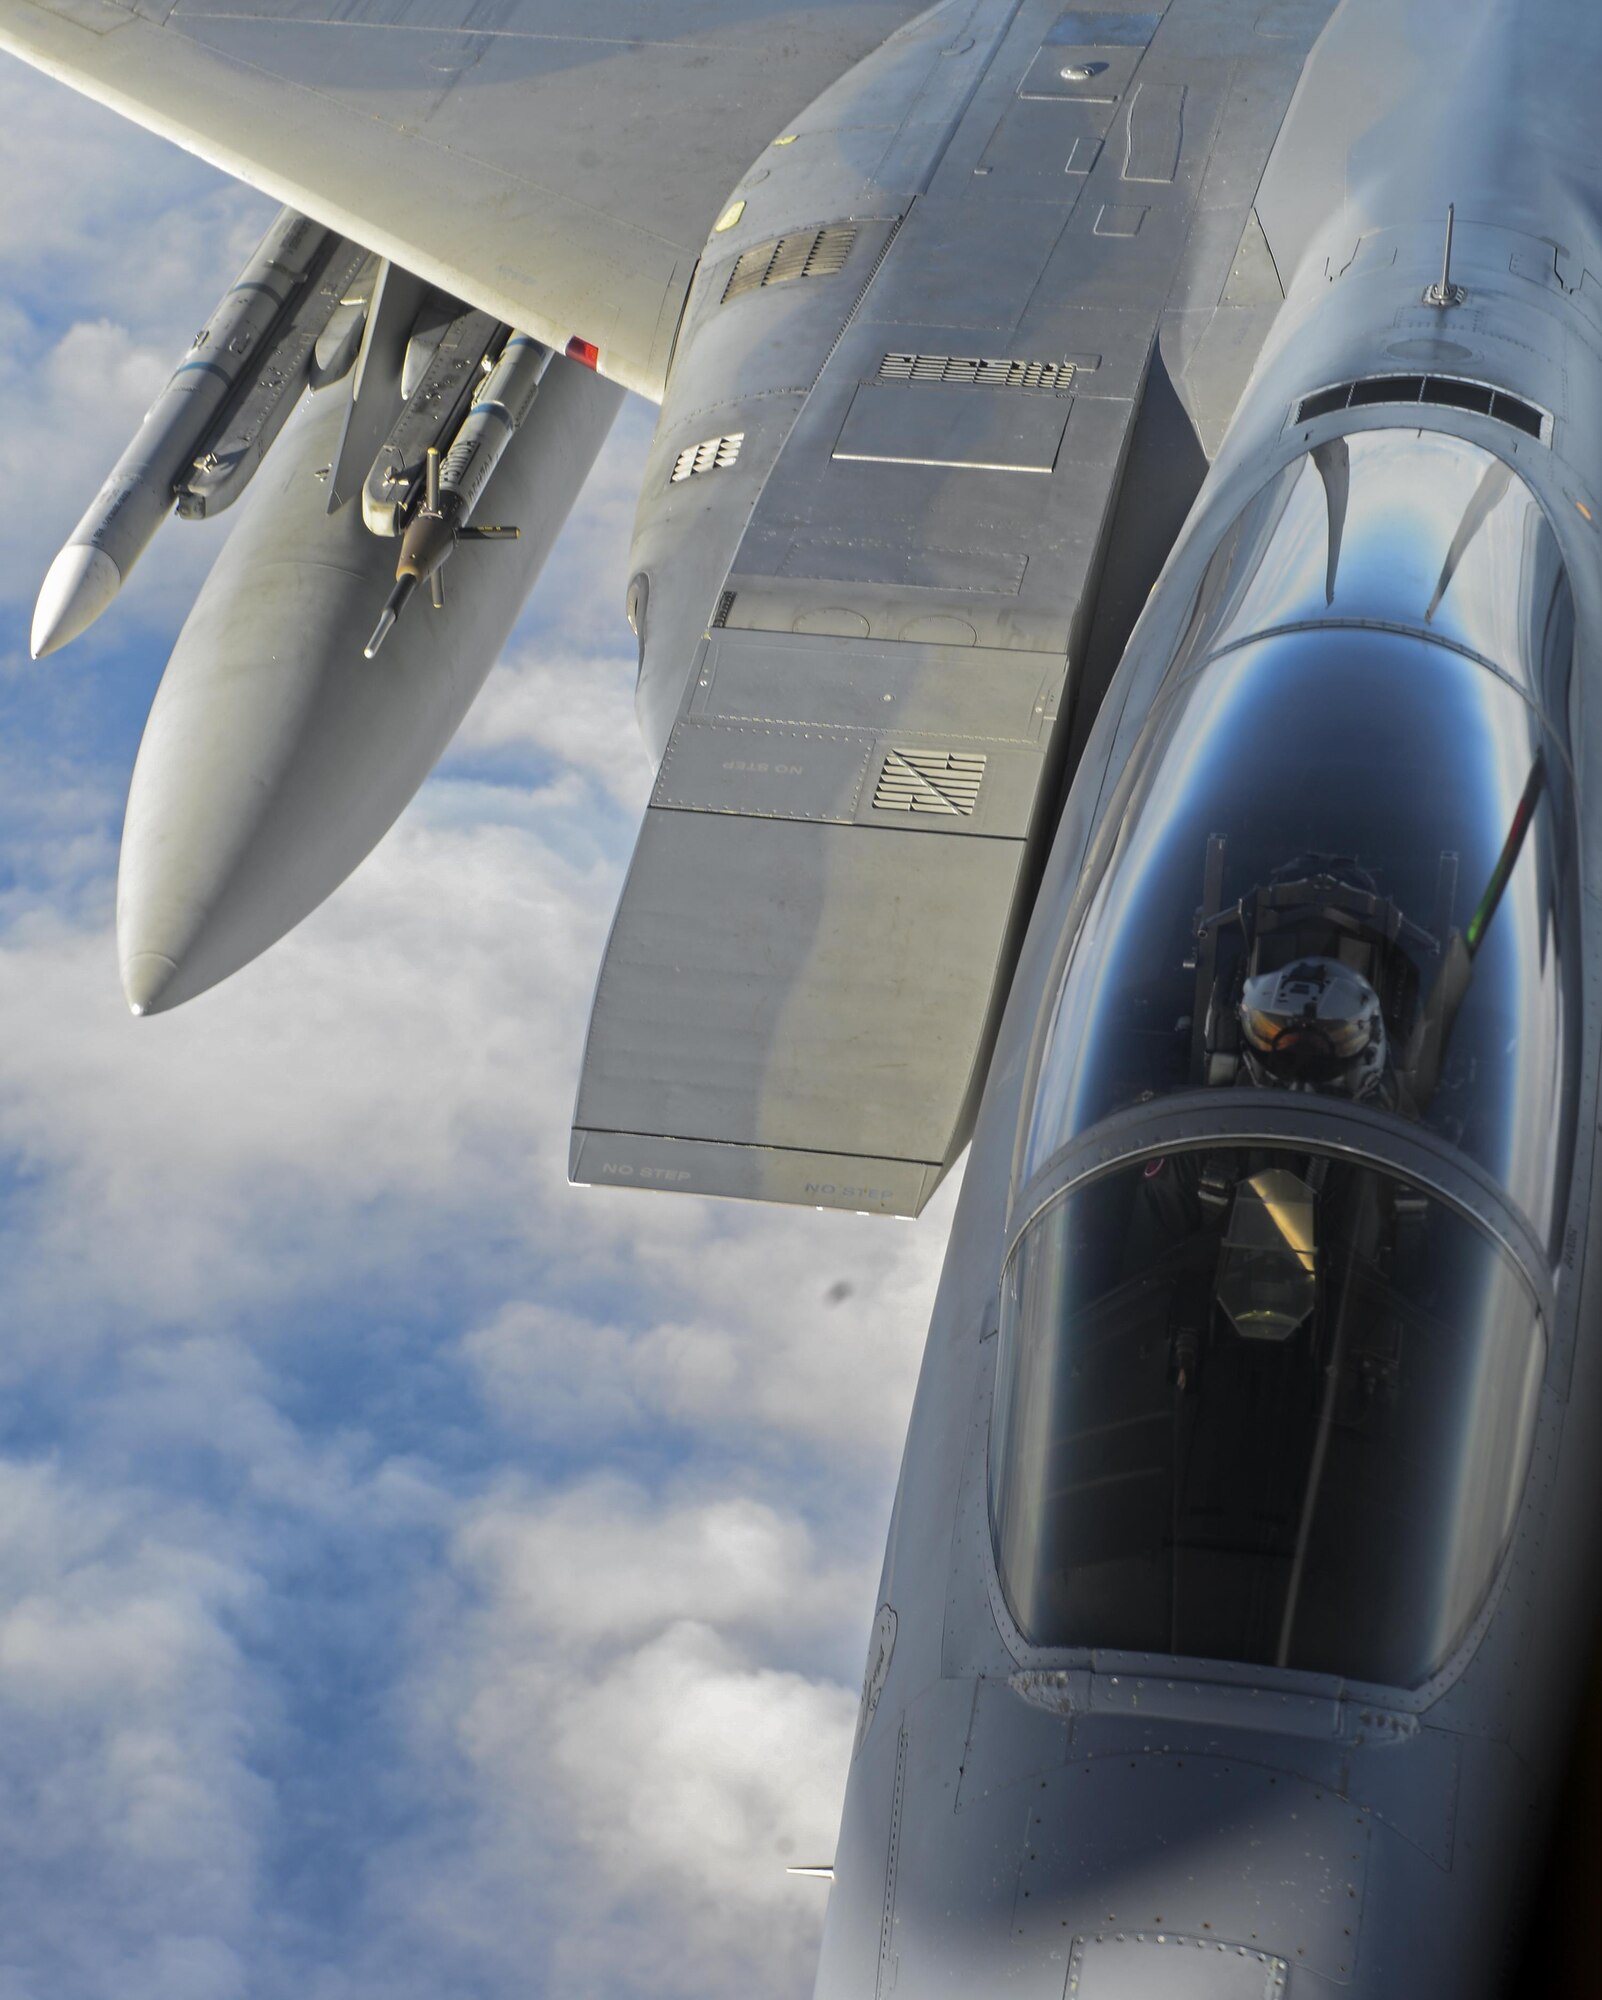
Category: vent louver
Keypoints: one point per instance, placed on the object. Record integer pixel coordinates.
(806, 253)
(1446, 391)
(930, 781)
(720, 617)
(980, 373)
(711, 455)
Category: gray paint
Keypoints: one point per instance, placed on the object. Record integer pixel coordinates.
(898, 563)
(1111, 1769)
(982, 430)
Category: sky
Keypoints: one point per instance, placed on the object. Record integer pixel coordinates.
(417, 1577)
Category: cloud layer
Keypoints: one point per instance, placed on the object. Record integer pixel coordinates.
(416, 1576)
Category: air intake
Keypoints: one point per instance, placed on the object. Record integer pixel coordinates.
(809, 253)
(930, 781)
(711, 455)
(1445, 391)
(976, 372)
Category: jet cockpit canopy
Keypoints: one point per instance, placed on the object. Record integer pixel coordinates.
(1265, 1392)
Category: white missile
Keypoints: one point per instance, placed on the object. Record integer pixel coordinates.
(235, 347)
(276, 757)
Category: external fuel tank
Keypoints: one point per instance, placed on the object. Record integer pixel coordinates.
(276, 756)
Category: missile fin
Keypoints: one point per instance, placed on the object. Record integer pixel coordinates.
(432, 412)
(375, 396)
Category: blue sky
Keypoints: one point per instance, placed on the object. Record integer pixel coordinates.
(416, 1577)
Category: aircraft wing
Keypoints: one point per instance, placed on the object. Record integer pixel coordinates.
(557, 166)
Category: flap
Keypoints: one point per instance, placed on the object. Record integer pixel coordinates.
(801, 968)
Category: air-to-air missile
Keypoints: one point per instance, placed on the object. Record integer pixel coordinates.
(208, 430)
(452, 489)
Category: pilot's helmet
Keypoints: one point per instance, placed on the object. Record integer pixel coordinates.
(1313, 1025)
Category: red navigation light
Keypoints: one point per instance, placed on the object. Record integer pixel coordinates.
(585, 352)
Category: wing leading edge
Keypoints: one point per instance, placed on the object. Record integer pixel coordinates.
(559, 167)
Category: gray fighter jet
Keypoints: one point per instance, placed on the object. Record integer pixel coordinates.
(1113, 582)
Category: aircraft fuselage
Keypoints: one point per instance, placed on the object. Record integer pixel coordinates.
(1230, 1634)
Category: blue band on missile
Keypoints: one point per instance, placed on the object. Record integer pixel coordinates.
(204, 368)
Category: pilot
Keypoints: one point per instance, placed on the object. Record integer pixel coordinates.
(1320, 993)
(1314, 1024)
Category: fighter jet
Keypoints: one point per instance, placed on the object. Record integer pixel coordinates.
(1113, 583)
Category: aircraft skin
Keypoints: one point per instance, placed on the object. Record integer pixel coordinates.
(1240, 1571)
(1094, 1821)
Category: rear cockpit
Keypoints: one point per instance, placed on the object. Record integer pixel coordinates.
(1259, 1404)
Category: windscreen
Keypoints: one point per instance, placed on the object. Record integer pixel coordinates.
(1262, 1406)
(1346, 866)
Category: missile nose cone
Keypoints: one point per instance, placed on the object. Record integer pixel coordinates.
(78, 586)
(381, 631)
(145, 977)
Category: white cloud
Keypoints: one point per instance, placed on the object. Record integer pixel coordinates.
(606, 1564)
(694, 1778)
(416, 1576)
(574, 710)
(96, 207)
(676, 1758)
(416, 1041)
(805, 1328)
(126, 1720)
(395, 1072)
